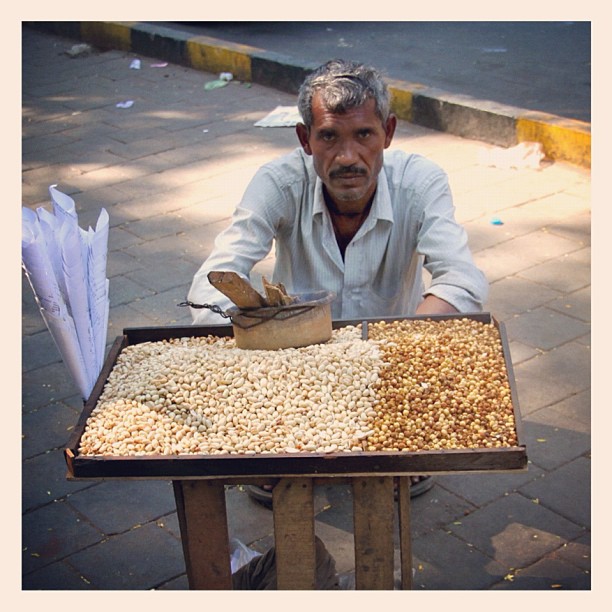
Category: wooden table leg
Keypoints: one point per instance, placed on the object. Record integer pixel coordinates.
(293, 506)
(373, 518)
(202, 515)
(403, 500)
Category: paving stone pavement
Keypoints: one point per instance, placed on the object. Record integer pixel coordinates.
(169, 171)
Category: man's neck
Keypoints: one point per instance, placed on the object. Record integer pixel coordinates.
(334, 210)
(350, 211)
(346, 224)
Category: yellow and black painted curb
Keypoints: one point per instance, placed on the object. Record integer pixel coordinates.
(562, 139)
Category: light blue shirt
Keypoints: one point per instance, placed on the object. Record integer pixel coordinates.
(411, 225)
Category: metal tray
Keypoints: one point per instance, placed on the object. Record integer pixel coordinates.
(298, 464)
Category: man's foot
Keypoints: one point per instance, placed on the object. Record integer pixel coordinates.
(262, 494)
(420, 485)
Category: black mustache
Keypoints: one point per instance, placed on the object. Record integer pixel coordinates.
(347, 171)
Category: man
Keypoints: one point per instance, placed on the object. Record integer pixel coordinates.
(349, 216)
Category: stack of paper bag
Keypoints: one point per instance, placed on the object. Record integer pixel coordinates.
(66, 267)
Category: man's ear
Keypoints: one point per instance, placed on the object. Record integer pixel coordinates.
(303, 136)
(390, 129)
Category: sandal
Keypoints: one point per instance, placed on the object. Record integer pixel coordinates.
(422, 486)
(263, 495)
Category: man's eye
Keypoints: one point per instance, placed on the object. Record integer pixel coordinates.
(327, 136)
(364, 133)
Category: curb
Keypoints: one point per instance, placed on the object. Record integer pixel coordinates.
(562, 139)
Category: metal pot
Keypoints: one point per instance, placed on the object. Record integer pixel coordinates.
(306, 321)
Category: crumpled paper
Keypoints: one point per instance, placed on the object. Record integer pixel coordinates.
(281, 116)
(78, 50)
(523, 155)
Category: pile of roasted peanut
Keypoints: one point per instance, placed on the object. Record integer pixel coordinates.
(444, 385)
(413, 385)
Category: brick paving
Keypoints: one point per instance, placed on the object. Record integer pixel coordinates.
(169, 171)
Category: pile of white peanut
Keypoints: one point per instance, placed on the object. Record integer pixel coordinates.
(203, 395)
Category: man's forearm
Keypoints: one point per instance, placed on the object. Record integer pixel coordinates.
(434, 305)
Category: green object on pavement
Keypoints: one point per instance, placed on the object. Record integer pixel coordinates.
(215, 84)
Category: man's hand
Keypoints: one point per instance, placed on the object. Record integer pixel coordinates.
(434, 305)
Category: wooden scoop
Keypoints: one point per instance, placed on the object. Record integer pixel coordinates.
(276, 295)
(237, 289)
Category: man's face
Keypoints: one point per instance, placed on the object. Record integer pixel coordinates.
(347, 151)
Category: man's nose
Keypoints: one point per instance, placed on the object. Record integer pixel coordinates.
(347, 153)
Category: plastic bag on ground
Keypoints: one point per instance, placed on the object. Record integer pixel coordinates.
(240, 554)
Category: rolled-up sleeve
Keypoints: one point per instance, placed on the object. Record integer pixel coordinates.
(444, 244)
(245, 242)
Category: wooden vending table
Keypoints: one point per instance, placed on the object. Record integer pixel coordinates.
(199, 486)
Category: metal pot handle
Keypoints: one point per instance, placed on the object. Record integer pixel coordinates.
(256, 316)
(216, 309)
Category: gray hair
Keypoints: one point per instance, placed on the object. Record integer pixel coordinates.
(343, 85)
